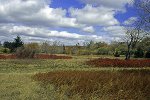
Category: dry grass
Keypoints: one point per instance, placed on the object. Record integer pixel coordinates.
(70, 79)
(126, 85)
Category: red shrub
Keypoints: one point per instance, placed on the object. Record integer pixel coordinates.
(98, 82)
(46, 56)
(37, 56)
(10, 56)
(2, 57)
(118, 63)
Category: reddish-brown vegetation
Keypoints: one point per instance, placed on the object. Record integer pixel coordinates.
(7, 56)
(46, 56)
(124, 84)
(119, 63)
(37, 56)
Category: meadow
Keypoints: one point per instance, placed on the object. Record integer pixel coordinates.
(72, 79)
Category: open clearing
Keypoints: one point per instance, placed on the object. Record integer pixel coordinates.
(71, 79)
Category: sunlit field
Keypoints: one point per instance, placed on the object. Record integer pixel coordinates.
(74, 49)
(71, 79)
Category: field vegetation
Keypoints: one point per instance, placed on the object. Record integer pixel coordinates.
(119, 70)
(95, 71)
(102, 85)
(71, 79)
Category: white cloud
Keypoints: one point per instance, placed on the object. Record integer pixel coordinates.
(94, 16)
(113, 4)
(36, 20)
(130, 20)
(43, 33)
(115, 31)
(34, 12)
(89, 29)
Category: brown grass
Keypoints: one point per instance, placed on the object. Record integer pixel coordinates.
(116, 85)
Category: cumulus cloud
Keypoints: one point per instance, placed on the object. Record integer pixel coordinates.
(113, 4)
(130, 20)
(89, 29)
(115, 31)
(36, 20)
(43, 33)
(35, 13)
(94, 15)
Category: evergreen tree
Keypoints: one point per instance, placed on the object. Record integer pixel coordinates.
(13, 45)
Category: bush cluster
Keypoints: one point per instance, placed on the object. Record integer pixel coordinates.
(117, 54)
(147, 55)
(139, 53)
(25, 52)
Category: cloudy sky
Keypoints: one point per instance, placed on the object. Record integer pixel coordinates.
(67, 21)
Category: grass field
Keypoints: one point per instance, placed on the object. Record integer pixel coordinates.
(71, 79)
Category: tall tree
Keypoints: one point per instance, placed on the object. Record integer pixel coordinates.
(13, 45)
(139, 28)
(18, 42)
(134, 34)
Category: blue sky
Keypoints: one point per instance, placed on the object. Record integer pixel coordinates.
(67, 21)
(66, 4)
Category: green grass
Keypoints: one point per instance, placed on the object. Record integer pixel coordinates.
(17, 83)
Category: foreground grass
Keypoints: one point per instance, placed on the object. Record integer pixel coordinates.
(116, 85)
(18, 82)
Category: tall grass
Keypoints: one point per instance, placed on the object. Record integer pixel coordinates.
(133, 85)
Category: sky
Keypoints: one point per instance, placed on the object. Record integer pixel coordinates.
(67, 21)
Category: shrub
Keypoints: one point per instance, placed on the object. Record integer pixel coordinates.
(119, 63)
(147, 55)
(13, 45)
(4, 50)
(102, 51)
(47, 56)
(85, 52)
(116, 84)
(139, 53)
(117, 54)
(8, 56)
(25, 52)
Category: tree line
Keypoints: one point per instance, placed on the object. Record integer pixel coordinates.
(117, 49)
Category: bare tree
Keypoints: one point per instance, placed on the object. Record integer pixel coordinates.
(143, 8)
(134, 34)
(45, 47)
(139, 28)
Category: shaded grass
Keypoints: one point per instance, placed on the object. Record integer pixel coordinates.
(115, 85)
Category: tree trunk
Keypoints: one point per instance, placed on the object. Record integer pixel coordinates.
(128, 54)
